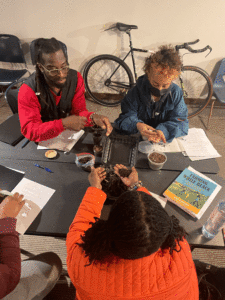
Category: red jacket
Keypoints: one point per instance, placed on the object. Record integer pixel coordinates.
(10, 260)
(29, 110)
(159, 276)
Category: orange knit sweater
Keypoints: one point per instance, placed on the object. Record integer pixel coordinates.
(160, 276)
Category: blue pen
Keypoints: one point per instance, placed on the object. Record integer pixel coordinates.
(44, 168)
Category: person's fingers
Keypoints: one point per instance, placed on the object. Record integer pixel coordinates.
(108, 126)
(163, 138)
(133, 169)
(22, 203)
(15, 195)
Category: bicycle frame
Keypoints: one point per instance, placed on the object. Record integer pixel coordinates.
(131, 51)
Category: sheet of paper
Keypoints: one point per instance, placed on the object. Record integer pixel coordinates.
(168, 147)
(162, 200)
(36, 195)
(197, 145)
(174, 146)
(64, 141)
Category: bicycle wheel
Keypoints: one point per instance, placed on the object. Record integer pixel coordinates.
(107, 79)
(197, 89)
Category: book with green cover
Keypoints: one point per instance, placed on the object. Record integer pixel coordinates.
(193, 192)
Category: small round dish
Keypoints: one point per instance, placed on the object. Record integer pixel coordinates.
(51, 154)
(145, 147)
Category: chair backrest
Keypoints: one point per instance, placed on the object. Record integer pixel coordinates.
(219, 83)
(10, 49)
(11, 95)
(32, 50)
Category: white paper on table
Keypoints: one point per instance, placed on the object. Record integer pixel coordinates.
(64, 141)
(198, 146)
(147, 147)
(36, 195)
(162, 200)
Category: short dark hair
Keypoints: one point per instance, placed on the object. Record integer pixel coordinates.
(165, 57)
(137, 226)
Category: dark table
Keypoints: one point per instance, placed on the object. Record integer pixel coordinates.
(175, 161)
(71, 183)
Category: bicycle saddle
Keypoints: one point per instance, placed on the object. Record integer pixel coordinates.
(123, 27)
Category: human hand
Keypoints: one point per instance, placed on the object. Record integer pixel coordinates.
(11, 206)
(128, 181)
(103, 122)
(74, 122)
(151, 134)
(96, 176)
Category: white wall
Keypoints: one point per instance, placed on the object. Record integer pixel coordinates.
(80, 25)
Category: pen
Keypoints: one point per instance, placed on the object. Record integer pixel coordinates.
(25, 143)
(44, 168)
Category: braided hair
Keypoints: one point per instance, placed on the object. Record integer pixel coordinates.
(166, 57)
(46, 46)
(137, 226)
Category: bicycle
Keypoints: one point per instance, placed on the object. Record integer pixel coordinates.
(108, 78)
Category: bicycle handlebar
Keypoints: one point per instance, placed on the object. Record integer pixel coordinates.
(186, 46)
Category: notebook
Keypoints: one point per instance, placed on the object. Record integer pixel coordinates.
(10, 131)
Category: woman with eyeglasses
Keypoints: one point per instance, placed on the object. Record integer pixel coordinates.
(138, 253)
(52, 98)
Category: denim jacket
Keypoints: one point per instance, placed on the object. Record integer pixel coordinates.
(169, 114)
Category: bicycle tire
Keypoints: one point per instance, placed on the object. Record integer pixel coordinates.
(197, 89)
(102, 84)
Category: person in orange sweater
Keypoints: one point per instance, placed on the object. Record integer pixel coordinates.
(138, 253)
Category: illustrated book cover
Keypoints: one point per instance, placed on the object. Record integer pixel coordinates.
(193, 192)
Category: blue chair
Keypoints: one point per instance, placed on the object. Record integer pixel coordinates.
(218, 87)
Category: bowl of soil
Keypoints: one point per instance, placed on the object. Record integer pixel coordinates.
(85, 161)
(112, 185)
(156, 160)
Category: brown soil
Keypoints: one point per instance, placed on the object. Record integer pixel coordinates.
(112, 185)
(157, 157)
(124, 172)
(84, 160)
(96, 127)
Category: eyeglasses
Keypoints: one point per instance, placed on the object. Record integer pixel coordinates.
(55, 72)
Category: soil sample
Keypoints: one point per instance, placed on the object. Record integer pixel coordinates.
(157, 157)
(84, 160)
(112, 185)
(97, 137)
(124, 172)
(156, 160)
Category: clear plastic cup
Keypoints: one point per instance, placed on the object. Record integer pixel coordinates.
(152, 163)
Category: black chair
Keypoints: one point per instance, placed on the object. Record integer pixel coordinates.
(11, 52)
(32, 50)
(11, 95)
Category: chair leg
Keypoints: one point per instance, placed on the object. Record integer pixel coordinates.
(210, 113)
